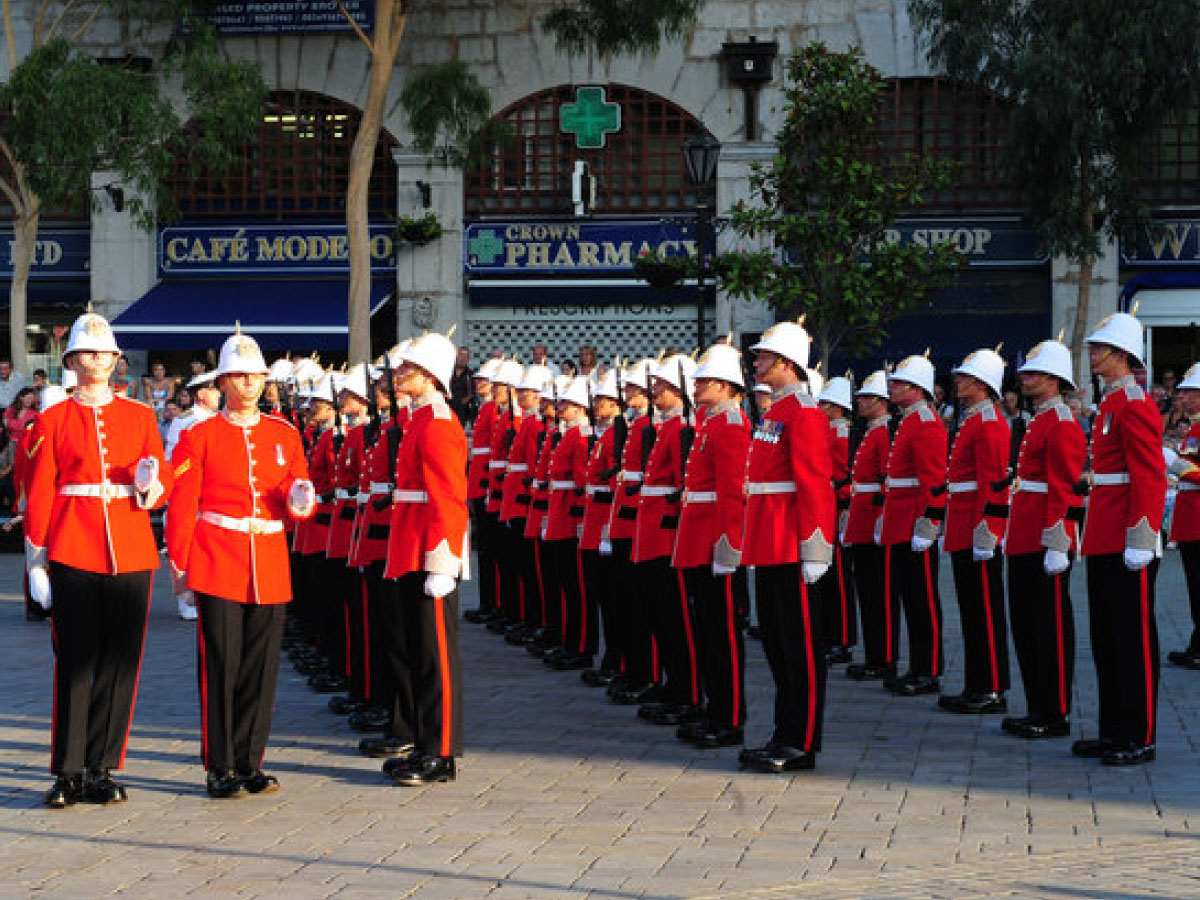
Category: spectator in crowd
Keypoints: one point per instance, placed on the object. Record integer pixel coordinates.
(497, 353)
(196, 367)
(121, 382)
(1075, 404)
(1169, 379)
(462, 389)
(20, 413)
(170, 412)
(541, 358)
(183, 397)
(568, 368)
(11, 381)
(1161, 398)
(1174, 414)
(589, 367)
(158, 388)
(1012, 407)
(39, 380)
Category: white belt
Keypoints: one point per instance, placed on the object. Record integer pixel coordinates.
(962, 487)
(562, 485)
(410, 497)
(903, 482)
(481, 451)
(1188, 486)
(103, 491)
(754, 488)
(1109, 479)
(700, 497)
(594, 489)
(867, 487)
(498, 464)
(342, 494)
(248, 525)
(380, 487)
(518, 467)
(658, 490)
(362, 497)
(538, 484)
(1031, 487)
(626, 475)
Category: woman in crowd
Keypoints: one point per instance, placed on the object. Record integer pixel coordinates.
(122, 382)
(158, 387)
(22, 411)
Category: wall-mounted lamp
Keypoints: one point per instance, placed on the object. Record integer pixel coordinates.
(748, 66)
(116, 195)
(426, 190)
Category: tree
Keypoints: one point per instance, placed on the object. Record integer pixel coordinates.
(1092, 82)
(67, 115)
(823, 207)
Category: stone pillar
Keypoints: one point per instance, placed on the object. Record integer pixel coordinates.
(733, 184)
(1106, 288)
(429, 280)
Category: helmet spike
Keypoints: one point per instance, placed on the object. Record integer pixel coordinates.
(801, 318)
(926, 353)
(450, 333)
(1062, 333)
(998, 346)
(1133, 311)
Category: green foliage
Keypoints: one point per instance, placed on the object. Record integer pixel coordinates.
(449, 111)
(664, 271)
(825, 203)
(619, 26)
(418, 229)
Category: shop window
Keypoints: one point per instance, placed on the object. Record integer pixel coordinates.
(299, 166)
(940, 118)
(1170, 170)
(639, 170)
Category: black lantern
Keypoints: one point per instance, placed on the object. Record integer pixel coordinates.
(701, 153)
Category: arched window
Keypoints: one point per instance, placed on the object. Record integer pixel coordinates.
(639, 170)
(949, 121)
(299, 166)
(1170, 174)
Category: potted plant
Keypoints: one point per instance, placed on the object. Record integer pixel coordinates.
(418, 230)
(662, 271)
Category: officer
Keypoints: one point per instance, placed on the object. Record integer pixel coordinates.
(237, 476)
(1185, 521)
(1121, 543)
(708, 546)
(478, 479)
(880, 615)
(1040, 541)
(500, 539)
(975, 522)
(548, 632)
(836, 589)
(913, 508)
(789, 534)
(97, 467)
(427, 549)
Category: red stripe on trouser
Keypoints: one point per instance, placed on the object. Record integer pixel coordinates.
(1147, 663)
(887, 601)
(583, 635)
(655, 671)
(439, 619)
(537, 564)
(1060, 647)
(993, 664)
(203, 685)
(810, 660)
(838, 561)
(693, 674)
(366, 636)
(934, 669)
(735, 667)
(54, 705)
(137, 677)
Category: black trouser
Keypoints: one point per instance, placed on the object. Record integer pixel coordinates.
(980, 590)
(880, 613)
(1124, 647)
(357, 634)
(596, 594)
(790, 621)
(671, 624)
(836, 591)
(484, 542)
(423, 665)
(511, 567)
(1189, 552)
(603, 589)
(330, 585)
(303, 605)
(238, 645)
(552, 591)
(99, 628)
(912, 578)
(1043, 630)
(375, 682)
(568, 571)
(631, 619)
(531, 577)
(721, 647)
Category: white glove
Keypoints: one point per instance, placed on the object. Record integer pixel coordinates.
(302, 497)
(145, 474)
(606, 547)
(1169, 456)
(843, 522)
(439, 585)
(543, 529)
(1055, 562)
(187, 598)
(1136, 560)
(720, 570)
(39, 586)
(982, 554)
(878, 536)
(920, 544)
(813, 571)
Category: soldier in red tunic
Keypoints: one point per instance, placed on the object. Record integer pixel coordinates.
(97, 467)
(789, 534)
(478, 481)
(975, 520)
(1185, 522)
(237, 476)
(1122, 544)
(549, 615)
(504, 541)
(1039, 541)
(836, 589)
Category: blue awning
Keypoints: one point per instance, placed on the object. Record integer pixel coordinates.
(280, 313)
(65, 293)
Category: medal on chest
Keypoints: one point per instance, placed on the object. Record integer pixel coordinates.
(279, 458)
(1107, 424)
(769, 431)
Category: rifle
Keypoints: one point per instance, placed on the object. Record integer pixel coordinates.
(751, 400)
(395, 433)
(374, 424)
(687, 433)
(620, 428)
(338, 437)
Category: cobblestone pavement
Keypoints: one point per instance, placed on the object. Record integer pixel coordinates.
(563, 796)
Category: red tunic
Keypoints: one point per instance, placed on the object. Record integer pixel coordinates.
(979, 457)
(225, 529)
(345, 485)
(522, 459)
(1050, 464)
(315, 534)
(790, 510)
(481, 451)
(1126, 449)
(568, 473)
(504, 434)
(839, 460)
(714, 500)
(76, 448)
(867, 477)
(1185, 521)
(623, 523)
(601, 480)
(661, 495)
(916, 473)
(429, 515)
(375, 497)
(539, 486)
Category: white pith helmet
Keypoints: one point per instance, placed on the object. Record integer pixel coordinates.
(319, 388)
(355, 381)
(91, 331)
(669, 370)
(1120, 330)
(985, 365)
(536, 378)
(204, 379)
(816, 382)
(280, 370)
(722, 362)
(305, 374)
(576, 392)
(554, 388)
(487, 371)
(240, 354)
(839, 392)
(787, 339)
(639, 374)
(1050, 358)
(435, 354)
(509, 372)
(875, 385)
(608, 387)
(915, 370)
(1191, 379)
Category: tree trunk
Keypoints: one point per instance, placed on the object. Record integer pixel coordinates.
(390, 20)
(1082, 370)
(23, 251)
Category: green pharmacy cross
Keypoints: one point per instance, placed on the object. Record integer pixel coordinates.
(590, 118)
(485, 247)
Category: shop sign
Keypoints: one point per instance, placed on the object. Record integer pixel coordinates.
(59, 254)
(198, 250)
(1175, 242)
(572, 248)
(982, 242)
(290, 16)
